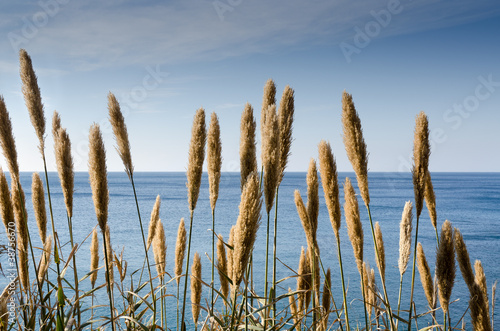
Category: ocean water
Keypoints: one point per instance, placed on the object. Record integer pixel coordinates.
(471, 201)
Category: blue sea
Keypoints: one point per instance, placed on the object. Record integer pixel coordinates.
(471, 201)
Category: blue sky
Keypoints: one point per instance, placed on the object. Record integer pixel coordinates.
(163, 60)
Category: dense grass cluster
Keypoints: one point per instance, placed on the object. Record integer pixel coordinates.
(46, 291)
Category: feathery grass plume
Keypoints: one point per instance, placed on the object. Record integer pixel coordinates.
(326, 298)
(312, 193)
(303, 280)
(153, 223)
(196, 287)
(38, 198)
(23, 267)
(160, 249)
(56, 124)
(94, 257)
(268, 99)
(180, 249)
(355, 145)
(4, 314)
(421, 153)
(230, 254)
(293, 309)
(430, 199)
(32, 96)
(6, 211)
(373, 287)
(109, 249)
(45, 260)
(7, 141)
(285, 122)
(354, 227)
(463, 258)
(425, 275)
(329, 180)
(445, 265)
(368, 291)
(405, 228)
(222, 267)
(381, 250)
(306, 223)
(120, 130)
(214, 159)
(246, 228)
(196, 158)
(18, 202)
(98, 175)
(248, 154)
(480, 279)
(64, 162)
(270, 155)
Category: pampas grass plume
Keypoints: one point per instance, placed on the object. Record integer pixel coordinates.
(425, 275)
(98, 175)
(160, 249)
(270, 156)
(121, 134)
(430, 199)
(196, 158)
(421, 153)
(222, 267)
(268, 99)
(214, 159)
(94, 257)
(445, 265)
(329, 180)
(381, 250)
(285, 122)
(6, 211)
(64, 162)
(355, 145)
(196, 287)
(38, 199)
(7, 141)
(480, 280)
(32, 96)
(248, 154)
(312, 193)
(153, 222)
(180, 249)
(354, 227)
(405, 228)
(45, 260)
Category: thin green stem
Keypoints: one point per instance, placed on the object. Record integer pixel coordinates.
(110, 288)
(364, 299)
(145, 250)
(213, 263)
(177, 314)
(187, 269)
(266, 272)
(387, 304)
(444, 317)
(234, 306)
(75, 273)
(399, 297)
(274, 255)
(437, 236)
(343, 283)
(331, 295)
(413, 271)
(314, 287)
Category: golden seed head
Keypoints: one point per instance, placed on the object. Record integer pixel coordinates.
(64, 162)
(405, 227)
(196, 287)
(355, 144)
(268, 99)
(45, 260)
(6, 211)
(32, 96)
(56, 124)
(421, 153)
(480, 280)
(270, 156)
(18, 202)
(381, 250)
(38, 199)
(98, 175)
(196, 158)
(303, 280)
(463, 258)
(248, 154)
(306, 223)
(312, 194)
(222, 267)
(160, 249)
(230, 254)
(327, 294)
(285, 122)
(430, 199)
(109, 250)
(329, 180)
(121, 134)
(425, 275)
(445, 265)
(354, 227)
(23, 268)
(7, 141)
(214, 159)
(153, 222)
(367, 288)
(246, 228)
(94, 257)
(180, 249)
(293, 309)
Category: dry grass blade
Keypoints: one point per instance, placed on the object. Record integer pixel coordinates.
(32, 96)
(329, 180)
(285, 122)
(180, 249)
(7, 141)
(355, 145)
(214, 159)
(354, 227)
(421, 153)
(121, 134)
(445, 265)
(38, 199)
(196, 158)
(405, 228)
(98, 175)
(248, 154)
